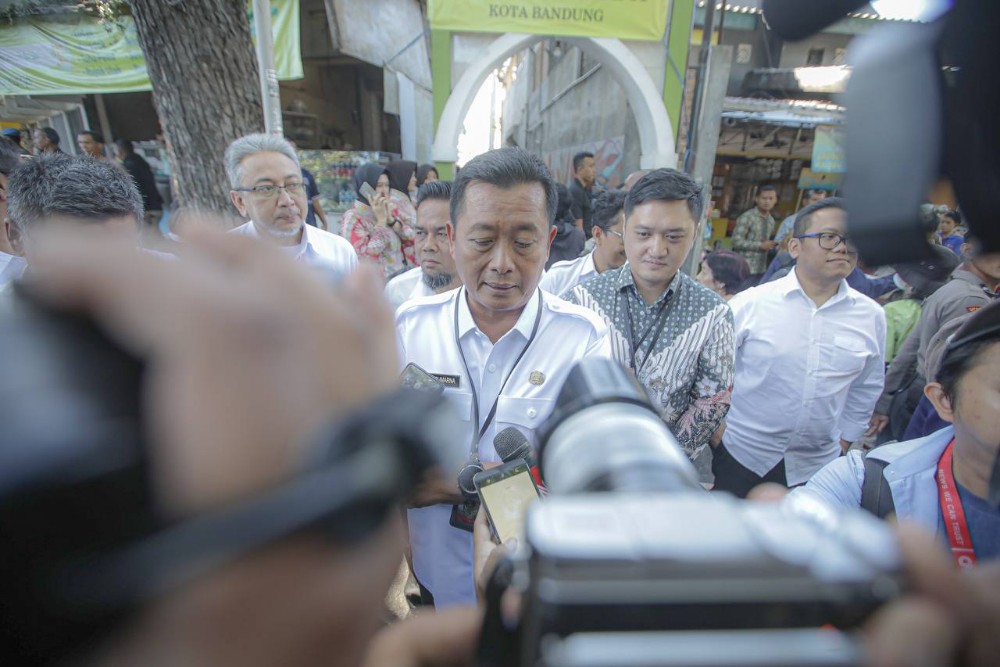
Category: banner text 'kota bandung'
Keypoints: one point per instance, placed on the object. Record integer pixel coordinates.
(624, 19)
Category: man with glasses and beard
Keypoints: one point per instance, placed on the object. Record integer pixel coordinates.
(432, 246)
(810, 356)
(267, 187)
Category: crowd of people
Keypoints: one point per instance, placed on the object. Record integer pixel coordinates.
(777, 378)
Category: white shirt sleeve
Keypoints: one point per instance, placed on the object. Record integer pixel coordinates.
(865, 390)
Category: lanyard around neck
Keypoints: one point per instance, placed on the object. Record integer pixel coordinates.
(659, 322)
(962, 549)
(474, 447)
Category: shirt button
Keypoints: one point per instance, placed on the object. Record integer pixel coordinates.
(532, 413)
(492, 368)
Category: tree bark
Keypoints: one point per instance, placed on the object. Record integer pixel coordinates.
(203, 68)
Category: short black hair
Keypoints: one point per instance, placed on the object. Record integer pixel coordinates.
(504, 168)
(954, 216)
(607, 205)
(804, 217)
(666, 185)
(96, 136)
(766, 188)
(125, 145)
(50, 134)
(74, 186)
(10, 157)
(433, 190)
(579, 158)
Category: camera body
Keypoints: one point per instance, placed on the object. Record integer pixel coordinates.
(629, 561)
(672, 562)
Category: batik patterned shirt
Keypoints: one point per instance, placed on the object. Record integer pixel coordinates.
(686, 366)
(752, 229)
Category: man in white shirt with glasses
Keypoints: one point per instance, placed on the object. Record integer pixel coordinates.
(267, 187)
(810, 358)
(608, 219)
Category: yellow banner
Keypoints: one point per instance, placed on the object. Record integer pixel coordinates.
(78, 55)
(624, 19)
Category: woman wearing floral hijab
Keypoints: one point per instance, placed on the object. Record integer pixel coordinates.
(376, 232)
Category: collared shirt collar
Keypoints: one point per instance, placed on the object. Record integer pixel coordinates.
(303, 246)
(625, 279)
(525, 323)
(970, 277)
(790, 284)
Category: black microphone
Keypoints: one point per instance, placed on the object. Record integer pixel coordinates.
(795, 19)
(511, 444)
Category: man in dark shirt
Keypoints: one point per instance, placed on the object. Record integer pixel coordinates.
(142, 174)
(581, 190)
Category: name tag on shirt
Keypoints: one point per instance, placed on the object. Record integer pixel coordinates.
(453, 381)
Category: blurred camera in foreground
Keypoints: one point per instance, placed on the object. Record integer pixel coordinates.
(629, 561)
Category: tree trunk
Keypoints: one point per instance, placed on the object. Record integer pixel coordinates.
(203, 68)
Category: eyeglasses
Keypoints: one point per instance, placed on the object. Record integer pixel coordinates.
(831, 240)
(271, 191)
(618, 234)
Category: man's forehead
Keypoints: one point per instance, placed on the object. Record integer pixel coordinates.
(828, 220)
(488, 206)
(433, 212)
(662, 214)
(269, 166)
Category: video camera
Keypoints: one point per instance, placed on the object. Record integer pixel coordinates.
(86, 542)
(629, 561)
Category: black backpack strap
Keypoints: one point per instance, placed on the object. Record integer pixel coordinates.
(876, 496)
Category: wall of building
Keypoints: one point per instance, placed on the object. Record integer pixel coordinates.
(796, 54)
(564, 101)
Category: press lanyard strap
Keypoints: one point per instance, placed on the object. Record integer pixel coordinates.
(659, 322)
(474, 448)
(955, 524)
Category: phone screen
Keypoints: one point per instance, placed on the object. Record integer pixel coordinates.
(506, 492)
(416, 377)
(368, 192)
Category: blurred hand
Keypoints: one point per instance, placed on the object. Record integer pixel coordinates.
(241, 374)
(428, 639)
(877, 424)
(437, 488)
(950, 617)
(242, 369)
(486, 553)
(767, 245)
(380, 207)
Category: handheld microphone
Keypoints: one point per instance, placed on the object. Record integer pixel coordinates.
(511, 444)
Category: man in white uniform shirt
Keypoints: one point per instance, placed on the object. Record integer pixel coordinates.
(810, 357)
(608, 218)
(267, 187)
(432, 246)
(500, 345)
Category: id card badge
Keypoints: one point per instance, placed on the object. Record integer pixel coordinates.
(463, 515)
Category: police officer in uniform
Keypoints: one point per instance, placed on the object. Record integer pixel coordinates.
(501, 347)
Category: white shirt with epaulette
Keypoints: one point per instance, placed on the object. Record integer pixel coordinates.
(563, 276)
(407, 285)
(426, 329)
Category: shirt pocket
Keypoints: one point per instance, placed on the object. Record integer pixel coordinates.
(843, 357)
(525, 414)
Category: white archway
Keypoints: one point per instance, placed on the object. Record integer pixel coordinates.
(655, 132)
